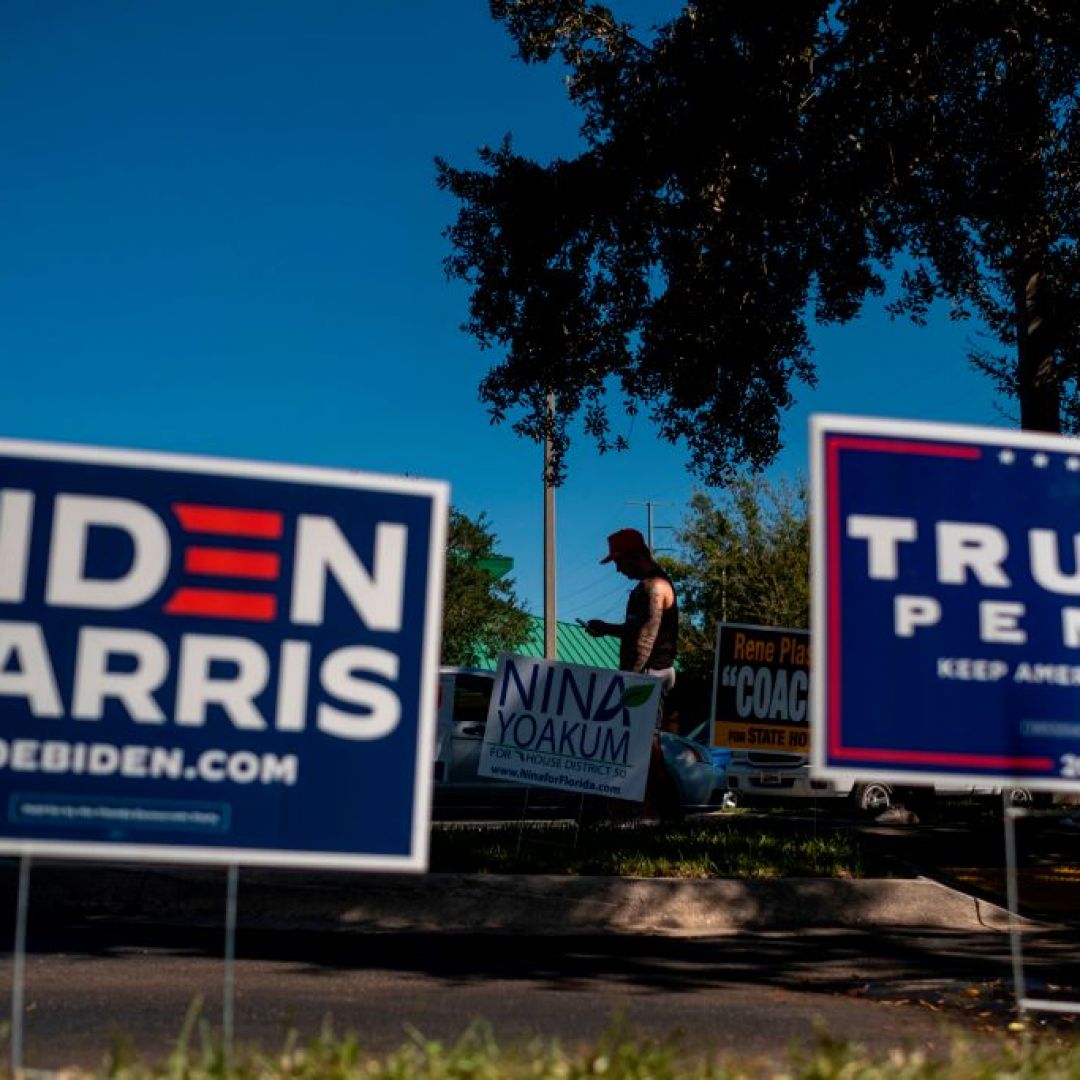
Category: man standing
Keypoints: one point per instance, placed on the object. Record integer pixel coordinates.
(648, 636)
(648, 641)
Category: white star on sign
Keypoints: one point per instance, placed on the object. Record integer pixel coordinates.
(1006, 457)
(1072, 464)
(1040, 461)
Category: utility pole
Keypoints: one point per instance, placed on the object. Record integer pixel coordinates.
(550, 621)
(648, 504)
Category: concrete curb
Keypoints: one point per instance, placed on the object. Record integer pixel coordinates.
(468, 903)
(542, 904)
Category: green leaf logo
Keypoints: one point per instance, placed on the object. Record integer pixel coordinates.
(637, 695)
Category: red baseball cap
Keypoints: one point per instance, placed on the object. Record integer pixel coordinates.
(625, 542)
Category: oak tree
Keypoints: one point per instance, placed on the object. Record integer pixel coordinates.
(482, 615)
(750, 169)
(744, 558)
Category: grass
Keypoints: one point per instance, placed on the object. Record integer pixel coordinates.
(616, 1055)
(731, 847)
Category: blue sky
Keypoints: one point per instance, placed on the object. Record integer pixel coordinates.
(221, 234)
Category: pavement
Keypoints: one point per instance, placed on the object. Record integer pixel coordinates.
(940, 877)
(926, 940)
(911, 941)
(495, 903)
(969, 856)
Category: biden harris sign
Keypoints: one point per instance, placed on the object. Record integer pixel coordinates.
(946, 565)
(216, 661)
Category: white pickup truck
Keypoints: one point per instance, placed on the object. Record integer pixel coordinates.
(765, 775)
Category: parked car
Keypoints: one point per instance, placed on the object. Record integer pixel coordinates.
(752, 775)
(464, 695)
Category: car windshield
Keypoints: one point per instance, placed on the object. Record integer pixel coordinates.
(471, 696)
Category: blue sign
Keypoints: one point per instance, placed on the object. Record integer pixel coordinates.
(946, 567)
(216, 661)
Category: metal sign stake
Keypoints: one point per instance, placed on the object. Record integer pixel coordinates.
(521, 822)
(1012, 893)
(18, 978)
(229, 992)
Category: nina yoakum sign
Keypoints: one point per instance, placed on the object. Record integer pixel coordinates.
(570, 727)
(946, 569)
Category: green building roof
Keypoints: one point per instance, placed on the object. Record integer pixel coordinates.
(573, 645)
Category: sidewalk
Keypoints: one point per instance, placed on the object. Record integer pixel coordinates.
(971, 858)
(900, 941)
(942, 875)
(457, 903)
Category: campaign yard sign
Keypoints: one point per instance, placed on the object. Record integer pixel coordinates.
(946, 565)
(216, 661)
(570, 727)
(761, 689)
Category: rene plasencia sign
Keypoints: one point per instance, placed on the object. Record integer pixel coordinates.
(946, 564)
(761, 688)
(210, 660)
(570, 727)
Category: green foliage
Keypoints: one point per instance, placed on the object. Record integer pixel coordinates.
(481, 614)
(754, 168)
(746, 559)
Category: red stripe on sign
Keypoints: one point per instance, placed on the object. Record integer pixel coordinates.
(946, 758)
(224, 562)
(228, 521)
(223, 604)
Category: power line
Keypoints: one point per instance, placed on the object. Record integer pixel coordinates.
(574, 599)
(615, 607)
(581, 573)
(606, 602)
(648, 504)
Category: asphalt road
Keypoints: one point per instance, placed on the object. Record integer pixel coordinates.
(754, 994)
(91, 973)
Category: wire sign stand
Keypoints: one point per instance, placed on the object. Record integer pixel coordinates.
(1024, 1003)
(18, 976)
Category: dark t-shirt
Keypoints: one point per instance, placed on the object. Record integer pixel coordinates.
(637, 614)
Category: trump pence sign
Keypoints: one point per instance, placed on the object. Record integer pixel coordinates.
(217, 661)
(946, 566)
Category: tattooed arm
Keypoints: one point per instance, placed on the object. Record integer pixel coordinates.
(660, 598)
